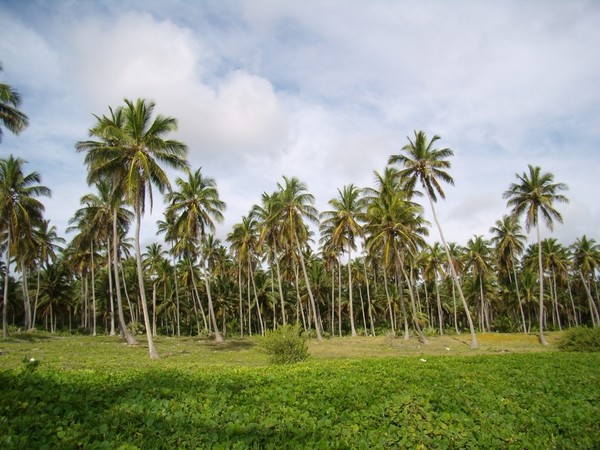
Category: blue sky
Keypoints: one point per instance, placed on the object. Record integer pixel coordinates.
(321, 90)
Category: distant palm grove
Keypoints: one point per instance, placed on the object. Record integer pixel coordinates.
(368, 271)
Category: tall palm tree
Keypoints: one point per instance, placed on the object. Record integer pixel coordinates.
(19, 211)
(343, 221)
(509, 243)
(534, 195)
(195, 206)
(10, 116)
(130, 154)
(244, 241)
(294, 205)
(270, 237)
(427, 165)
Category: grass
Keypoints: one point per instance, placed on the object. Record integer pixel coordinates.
(106, 353)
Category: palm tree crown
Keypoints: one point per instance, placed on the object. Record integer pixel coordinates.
(10, 116)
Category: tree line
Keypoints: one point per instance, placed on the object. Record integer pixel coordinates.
(369, 271)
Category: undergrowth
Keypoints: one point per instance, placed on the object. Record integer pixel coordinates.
(509, 401)
(580, 339)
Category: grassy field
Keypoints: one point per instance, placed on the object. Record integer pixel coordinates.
(105, 353)
(95, 392)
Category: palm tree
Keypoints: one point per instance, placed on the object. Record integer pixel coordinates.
(293, 204)
(19, 211)
(425, 164)
(46, 242)
(586, 259)
(270, 237)
(195, 206)
(153, 259)
(479, 261)
(344, 229)
(533, 195)
(395, 228)
(10, 116)
(129, 155)
(509, 243)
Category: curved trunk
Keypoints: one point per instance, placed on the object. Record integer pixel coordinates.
(474, 343)
(310, 294)
(593, 309)
(26, 302)
(241, 308)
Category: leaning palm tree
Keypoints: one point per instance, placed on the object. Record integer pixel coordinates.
(130, 154)
(195, 206)
(344, 226)
(533, 195)
(10, 116)
(19, 211)
(427, 165)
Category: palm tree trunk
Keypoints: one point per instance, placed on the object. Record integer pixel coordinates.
(439, 304)
(362, 310)
(93, 291)
(260, 321)
(339, 298)
(6, 277)
(279, 283)
(124, 331)
(211, 310)
(154, 309)
(389, 300)
(110, 289)
(37, 296)
(572, 303)
(556, 300)
(541, 337)
(241, 300)
(140, 273)
(593, 309)
(413, 305)
(26, 302)
(519, 298)
(352, 328)
(369, 301)
(454, 274)
(310, 294)
(333, 301)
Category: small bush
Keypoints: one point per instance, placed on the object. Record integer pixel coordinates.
(580, 340)
(285, 345)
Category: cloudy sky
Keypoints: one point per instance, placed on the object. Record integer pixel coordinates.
(322, 90)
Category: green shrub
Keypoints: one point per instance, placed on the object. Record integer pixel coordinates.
(580, 340)
(285, 345)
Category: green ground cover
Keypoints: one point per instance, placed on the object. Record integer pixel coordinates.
(95, 393)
